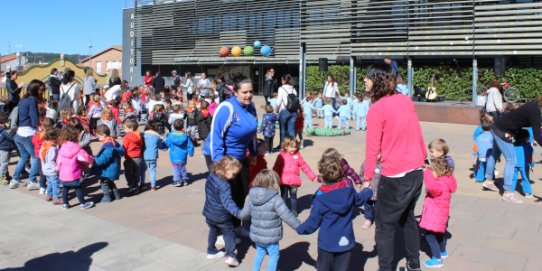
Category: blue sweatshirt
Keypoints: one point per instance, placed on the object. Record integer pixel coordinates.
(318, 102)
(180, 146)
(524, 155)
(153, 142)
(478, 131)
(233, 131)
(219, 205)
(269, 124)
(328, 110)
(107, 162)
(307, 108)
(363, 108)
(344, 111)
(485, 145)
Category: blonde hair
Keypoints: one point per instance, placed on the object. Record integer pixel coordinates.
(440, 167)
(289, 141)
(267, 179)
(440, 145)
(332, 152)
(227, 162)
(107, 111)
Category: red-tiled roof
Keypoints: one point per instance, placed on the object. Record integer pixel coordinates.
(8, 58)
(116, 47)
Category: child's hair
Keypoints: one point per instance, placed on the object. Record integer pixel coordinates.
(157, 97)
(308, 98)
(176, 108)
(204, 104)
(178, 124)
(69, 134)
(76, 123)
(131, 124)
(440, 166)
(4, 117)
(330, 169)
(48, 124)
(332, 152)
(96, 97)
(107, 111)
(103, 130)
(267, 179)
(42, 112)
(344, 102)
(512, 106)
(158, 108)
(227, 162)
(289, 141)
(269, 109)
(440, 145)
(327, 101)
(51, 134)
(53, 104)
(486, 124)
(151, 125)
(522, 136)
(115, 103)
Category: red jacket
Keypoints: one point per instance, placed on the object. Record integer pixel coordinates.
(253, 170)
(288, 165)
(37, 141)
(394, 132)
(115, 111)
(133, 144)
(436, 206)
(126, 96)
(299, 123)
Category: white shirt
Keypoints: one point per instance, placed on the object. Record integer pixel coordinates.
(204, 85)
(189, 86)
(282, 97)
(330, 90)
(151, 104)
(494, 100)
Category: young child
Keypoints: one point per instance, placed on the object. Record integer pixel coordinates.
(439, 184)
(345, 112)
(319, 103)
(129, 111)
(307, 112)
(134, 167)
(153, 141)
(258, 164)
(71, 162)
(219, 208)
(333, 211)
(109, 120)
(48, 155)
(268, 127)
(51, 110)
(361, 112)
(180, 147)
(524, 162)
(137, 104)
(298, 126)
(287, 165)
(213, 105)
(192, 122)
(115, 111)
(267, 211)
(6, 146)
(439, 148)
(204, 121)
(484, 148)
(95, 113)
(160, 117)
(177, 114)
(84, 136)
(107, 163)
(37, 141)
(328, 114)
(355, 104)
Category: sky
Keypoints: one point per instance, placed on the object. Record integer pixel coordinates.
(60, 26)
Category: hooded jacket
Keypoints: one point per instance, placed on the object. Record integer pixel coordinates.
(107, 162)
(332, 212)
(133, 144)
(204, 123)
(153, 142)
(288, 165)
(48, 154)
(267, 211)
(436, 206)
(219, 205)
(180, 146)
(6, 141)
(71, 161)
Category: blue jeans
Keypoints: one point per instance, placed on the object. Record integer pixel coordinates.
(215, 229)
(436, 242)
(179, 173)
(78, 191)
(507, 149)
(272, 250)
(151, 166)
(26, 150)
(52, 186)
(308, 120)
(369, 210)
(525, 182)
(343, 120)
(287, 124)
(328, 122)
(360, 123)
(480, 170)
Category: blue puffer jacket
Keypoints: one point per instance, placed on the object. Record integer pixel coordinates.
(107, 162)
(153, 142)
(6, 141)
(180, 146)
(219, 205)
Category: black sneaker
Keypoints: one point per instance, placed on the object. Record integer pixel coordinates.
(413, 265)
(177, 184)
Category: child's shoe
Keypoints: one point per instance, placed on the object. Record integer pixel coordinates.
(413, 265)
(153, 188)
(232, 262)
(510, 197)
(176, 183)
(65, 206)
(48, 198)
(106, 198)
(433, 263)
(116, 194)
(443, 255)
(32, 186)
(14, 184)
(86, 205)
(42, 191)
(367, 224)
(217, 255)
(528, 195)
(490, 185)
(57, 201)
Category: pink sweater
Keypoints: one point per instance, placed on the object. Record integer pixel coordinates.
(436, 206)
(288, 165)
(393, 130)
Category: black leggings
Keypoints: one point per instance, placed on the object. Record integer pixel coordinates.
(78, 193)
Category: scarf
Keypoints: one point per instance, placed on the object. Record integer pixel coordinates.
(45, 148)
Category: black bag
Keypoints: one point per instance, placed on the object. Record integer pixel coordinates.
(293, 104)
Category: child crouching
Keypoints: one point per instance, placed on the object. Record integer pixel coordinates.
(107, 163)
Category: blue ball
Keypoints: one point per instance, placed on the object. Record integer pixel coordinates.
(257, 44)
(266, 50)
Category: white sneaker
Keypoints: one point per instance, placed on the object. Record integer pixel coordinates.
(220, 241)
(490, 185)
(510, 197)
(232, 262)
(42, 191)
(32, 186)
(217, 255)
(14, 184)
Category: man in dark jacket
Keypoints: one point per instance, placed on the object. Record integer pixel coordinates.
(159, 83)
(270, 85)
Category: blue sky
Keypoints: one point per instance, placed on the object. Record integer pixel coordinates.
(61, 26)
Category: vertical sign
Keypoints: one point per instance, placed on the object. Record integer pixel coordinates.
(132, 46)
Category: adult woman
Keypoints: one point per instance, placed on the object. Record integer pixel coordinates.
(204, 85)
(70, 87)
(189, 86)
(13, 89)
(114, 79)
(148, 79)
(269, 85)
(503, 130)
(286, 118)
(494, 99)
(394, 134)
(331, 90)
(233, 131)
(28, 122)
(89, 86)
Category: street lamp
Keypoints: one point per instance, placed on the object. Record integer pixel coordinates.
(90, 53)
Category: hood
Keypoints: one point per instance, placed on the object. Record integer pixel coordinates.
(339, 201)
(288, 88)
(69, 150)
(151, 133)
(259, 195)
(178, 138)
(450, 182)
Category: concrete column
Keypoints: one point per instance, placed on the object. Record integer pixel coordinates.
(410, 77)
(474, 80)
(352, 75)
(302, 70)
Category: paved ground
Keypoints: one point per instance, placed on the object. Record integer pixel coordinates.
(165, 230)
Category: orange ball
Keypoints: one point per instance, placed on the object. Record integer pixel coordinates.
(236, 51)
(224, 51)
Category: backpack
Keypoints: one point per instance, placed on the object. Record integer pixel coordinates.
(293, 104)
(65, 100)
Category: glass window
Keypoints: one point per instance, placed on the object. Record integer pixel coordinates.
(98, 67)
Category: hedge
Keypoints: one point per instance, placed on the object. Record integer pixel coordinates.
(453, 83)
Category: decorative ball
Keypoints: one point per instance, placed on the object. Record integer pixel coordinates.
(248, 51)
(224, 51)
(236, 51)
(257, 44)
(266, 50)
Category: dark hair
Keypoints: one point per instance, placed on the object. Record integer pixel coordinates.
(53, 104)
(495, 82)
(76, 123)
(486, 124)
(11, 73)
(383, 79)
(287, 78)
(69, 75)
(178, 125)
(330, 169)
(189, 74)
(33, 89)
(204, 104)
(522, 135)
(69, 134)
(131, 124)
(151, 125)
(53, 70)
(51, 134)
(240, 80)
(4, 117)
(103, 130)
(48, 124)
(332, 77)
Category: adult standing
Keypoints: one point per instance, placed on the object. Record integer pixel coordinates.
(399, 143)
(13, 89)
(494, 99)
(54, 84)
(189, 86)
(72, 89)
(224, 91)
(269, 85)
(114, 79)
(233, 132)
(148, 79)
(159, 84)
(393, 65)
(89, 86)
(286, 118)
(331, 90)
(504, 129)
(204, 85)
(28, 122)
(176, 79)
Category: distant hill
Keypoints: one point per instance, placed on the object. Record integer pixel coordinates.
(48, 57)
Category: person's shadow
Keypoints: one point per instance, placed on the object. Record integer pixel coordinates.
(70, 260)
(293, 256)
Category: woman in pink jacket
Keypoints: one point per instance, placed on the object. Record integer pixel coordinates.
(440, 184)
(71, 162)
(288, 163)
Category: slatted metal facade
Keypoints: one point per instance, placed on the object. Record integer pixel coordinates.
(174, 32)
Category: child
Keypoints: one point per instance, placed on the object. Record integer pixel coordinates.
(51, 110)
(258, 164)
(268, 127)
(48, 155)
(204, 121)
(484, 148)
(71, 162)
(287, 166)
(333, 211)
(6, 146)
(319, 103)
(129, 111)
(267, 210)
(137, 104)
(115, 111)
(84, 136)
(524, 162)
(177, 114)
(307, 112)
(328, 114)
(95, 113)
(179, 148)
(344, 114)
(439, 148)
(159, 116)
(192, 122)
(153, 142)
(109, 120)
(479, 130)
(355, 104)
(37, 141)
(107, 163)
(439, 184)
(134, 167)
(361, 112)
(219, 208)
(298, 126)
(213, 105)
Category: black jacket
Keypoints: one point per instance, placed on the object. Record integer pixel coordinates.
(54, 85)
(13, 91)
(115, 82)
(269, 86)
(223, 92)
(159, 84)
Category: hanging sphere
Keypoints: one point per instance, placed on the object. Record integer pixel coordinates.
(236, 51)
(248, 51)
(266, 50)
(257, 44)
(224, 52)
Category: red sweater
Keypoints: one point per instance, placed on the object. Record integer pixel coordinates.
(394, 132)
(133, 144)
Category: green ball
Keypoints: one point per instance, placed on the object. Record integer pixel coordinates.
(248, 51)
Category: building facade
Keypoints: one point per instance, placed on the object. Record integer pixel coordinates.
(103, 62)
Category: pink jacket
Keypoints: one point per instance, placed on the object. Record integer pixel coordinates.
(436, 206)
(288, 165)
(71, 161)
